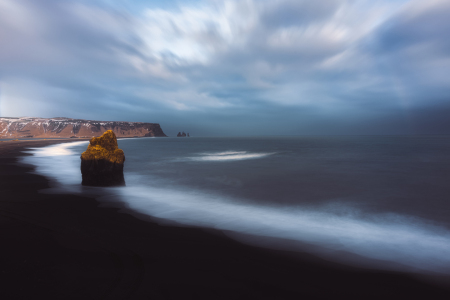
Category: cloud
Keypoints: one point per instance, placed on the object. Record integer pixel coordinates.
(200, 61)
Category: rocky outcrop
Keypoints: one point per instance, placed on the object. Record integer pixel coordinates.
(102, 162)
(181, 134)
(66, 127)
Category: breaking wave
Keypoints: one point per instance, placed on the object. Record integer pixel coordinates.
(228, 155)
(393, 238)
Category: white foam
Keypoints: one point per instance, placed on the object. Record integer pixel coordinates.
(228, 155)
(58, 161)
(57, 150)
(394, 238)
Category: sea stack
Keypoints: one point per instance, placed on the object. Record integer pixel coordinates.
(102, 162)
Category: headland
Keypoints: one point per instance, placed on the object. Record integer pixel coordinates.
(28, 127)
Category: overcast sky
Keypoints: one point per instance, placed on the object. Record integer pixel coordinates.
(240, 67)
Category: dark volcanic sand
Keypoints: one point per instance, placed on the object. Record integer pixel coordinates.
(66, 247)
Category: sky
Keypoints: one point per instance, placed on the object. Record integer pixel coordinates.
(231, 67)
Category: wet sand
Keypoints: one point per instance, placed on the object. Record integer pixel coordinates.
(62, 246)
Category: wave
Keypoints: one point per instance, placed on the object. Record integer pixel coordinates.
(394, 238)
(59, 162)
(401, 242)
(228, 155)
(57, 150)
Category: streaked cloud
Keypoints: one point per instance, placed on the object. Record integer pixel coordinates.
(309, 66)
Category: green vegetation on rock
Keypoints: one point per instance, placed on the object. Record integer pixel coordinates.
(104, 147)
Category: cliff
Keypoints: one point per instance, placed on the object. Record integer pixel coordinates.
(102, 162)
(66, 127)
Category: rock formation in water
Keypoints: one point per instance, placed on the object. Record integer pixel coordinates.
(102, 162)
(181, 134)
(66, 127)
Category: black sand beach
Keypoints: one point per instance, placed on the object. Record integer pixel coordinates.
(62, 246)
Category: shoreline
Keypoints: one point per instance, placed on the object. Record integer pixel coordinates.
(63, 246)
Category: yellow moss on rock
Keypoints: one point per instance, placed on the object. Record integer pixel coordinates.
(104, 147)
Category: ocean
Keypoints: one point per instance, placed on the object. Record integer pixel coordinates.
(379, 202)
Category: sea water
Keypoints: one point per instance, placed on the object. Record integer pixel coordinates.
(379, 201)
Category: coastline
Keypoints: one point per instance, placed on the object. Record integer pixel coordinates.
(63, 246)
